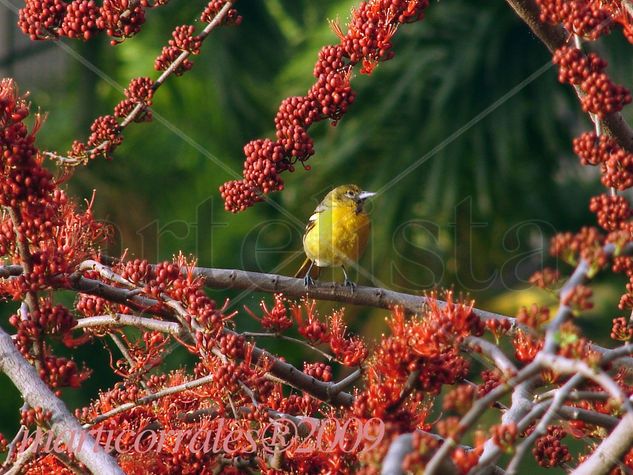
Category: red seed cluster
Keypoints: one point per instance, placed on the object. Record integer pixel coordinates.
(616, 164)
(585, 18)
(239, 195)
(613, 211)
(184, 39)
(260, 164)
(105, 135)
(137, 271)
(60, 372)
(624, 264)
(601, 96)
(139, 92)
(80, 20)
(120, 19)
(320, 371)
(575, 66)
(54, 319)
(617, 171)
(367, 41)
(549, 451)
(90, 305)
(83, 19)
(232, 345)
(40, 18)
(593, 150)
(35, 415)
(622, 329)
(232, 17)
(168, 55)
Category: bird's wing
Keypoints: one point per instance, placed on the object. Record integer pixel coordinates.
(313, 219)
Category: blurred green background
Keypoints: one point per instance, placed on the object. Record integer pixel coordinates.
(470, 99)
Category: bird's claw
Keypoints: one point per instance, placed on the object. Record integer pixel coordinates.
(308, 281)
(350, 284)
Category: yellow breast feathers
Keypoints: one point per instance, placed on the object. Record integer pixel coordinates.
(337, 233)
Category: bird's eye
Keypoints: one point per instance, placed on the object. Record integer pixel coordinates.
(350, 193)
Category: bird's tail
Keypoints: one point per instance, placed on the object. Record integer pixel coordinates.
(303, 270)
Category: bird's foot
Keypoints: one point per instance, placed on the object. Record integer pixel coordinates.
(351, 285)
(308, 281)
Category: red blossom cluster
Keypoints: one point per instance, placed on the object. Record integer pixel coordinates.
(427, 348)
(46, 233)
(367, 41)
(51, 234)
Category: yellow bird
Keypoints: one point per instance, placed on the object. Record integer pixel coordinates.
(336, 234)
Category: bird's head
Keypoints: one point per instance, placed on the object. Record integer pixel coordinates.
(350, 195)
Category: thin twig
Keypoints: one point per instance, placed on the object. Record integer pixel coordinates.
(150, 398)
(493, 352)
(327, 356)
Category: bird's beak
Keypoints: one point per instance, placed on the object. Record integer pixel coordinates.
(363, 195)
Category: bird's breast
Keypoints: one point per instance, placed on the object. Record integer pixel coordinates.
(339, 236)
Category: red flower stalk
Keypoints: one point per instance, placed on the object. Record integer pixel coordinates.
(367, 41)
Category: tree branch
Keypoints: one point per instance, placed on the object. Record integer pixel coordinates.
(280, 369)
(610, 450)
(120, 319)
(37, 394)
(402, 445)
(477, 409)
